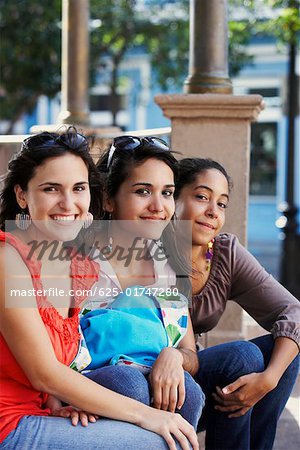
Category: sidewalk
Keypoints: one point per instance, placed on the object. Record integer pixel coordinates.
(288, 431)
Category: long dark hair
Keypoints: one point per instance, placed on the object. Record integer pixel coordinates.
(116, 171)
(123, 161)
(34, 151)
(190, 168)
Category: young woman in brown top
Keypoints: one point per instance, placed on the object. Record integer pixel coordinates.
(246, 384)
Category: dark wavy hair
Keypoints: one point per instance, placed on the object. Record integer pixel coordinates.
(190, 168)
(123, 161)
(119, 169)
(34, 152)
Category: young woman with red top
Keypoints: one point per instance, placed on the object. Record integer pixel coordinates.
(50, 191)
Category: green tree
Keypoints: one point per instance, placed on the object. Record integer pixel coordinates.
(30, 66)
(30, 54)
(30, 50)
(285, 26)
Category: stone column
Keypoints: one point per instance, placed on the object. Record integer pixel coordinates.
(75, 62)
(218, 126)
(208, 61)
(75, 77)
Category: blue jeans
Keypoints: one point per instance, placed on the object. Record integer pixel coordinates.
(129, 381)
(223, 364)
(56, 433)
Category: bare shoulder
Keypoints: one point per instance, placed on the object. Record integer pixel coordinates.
(14, 276)
(11, 261)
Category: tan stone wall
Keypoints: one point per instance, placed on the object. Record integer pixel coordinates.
(227, 142)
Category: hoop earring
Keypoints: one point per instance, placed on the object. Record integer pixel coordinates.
(88, 221)
(109, 248)
(23, 221)
(209, 254)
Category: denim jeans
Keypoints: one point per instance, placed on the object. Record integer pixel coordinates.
(129, 381)
(223, 364)
(56, 433)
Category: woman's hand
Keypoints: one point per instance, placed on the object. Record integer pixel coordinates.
(170, 426)
(167, 380)
(239, 396)
(58, 410)
(75, 415)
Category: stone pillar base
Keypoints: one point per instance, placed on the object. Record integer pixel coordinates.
(218, 126)
(80, 118)
(198, 84)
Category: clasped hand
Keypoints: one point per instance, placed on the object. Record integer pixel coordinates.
(167, 380)
(238, 397)
(76, 415)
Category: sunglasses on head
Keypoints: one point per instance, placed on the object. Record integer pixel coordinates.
(133, 142)
(45, 139)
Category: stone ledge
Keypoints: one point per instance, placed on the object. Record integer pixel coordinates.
(223, 106)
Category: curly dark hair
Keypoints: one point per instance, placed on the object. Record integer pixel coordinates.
(190, 168)
(34, 151)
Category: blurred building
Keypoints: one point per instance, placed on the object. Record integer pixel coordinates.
(266, 75)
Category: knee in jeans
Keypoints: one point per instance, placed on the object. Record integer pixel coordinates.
(293, 369)
(124, 380)
(198, 396)
(194, 392)
(140, 393)
(134, 384)
(246, 357)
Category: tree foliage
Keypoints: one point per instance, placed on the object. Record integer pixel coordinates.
(285, 25)
(29, 55)
(30, 51)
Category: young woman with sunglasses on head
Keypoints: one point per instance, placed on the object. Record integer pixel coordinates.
(246, 384)
(141, 339)
(50, 191)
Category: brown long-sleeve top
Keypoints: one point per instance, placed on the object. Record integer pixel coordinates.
(236, 275)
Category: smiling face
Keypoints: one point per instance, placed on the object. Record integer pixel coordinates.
(57, 197)
(204, 203)
(146, 199)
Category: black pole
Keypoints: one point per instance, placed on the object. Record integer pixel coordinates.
(288, 269)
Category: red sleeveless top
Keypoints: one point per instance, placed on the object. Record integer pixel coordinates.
(17, 396)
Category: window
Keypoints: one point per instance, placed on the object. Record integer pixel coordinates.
(263, 159)
(103, 102)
